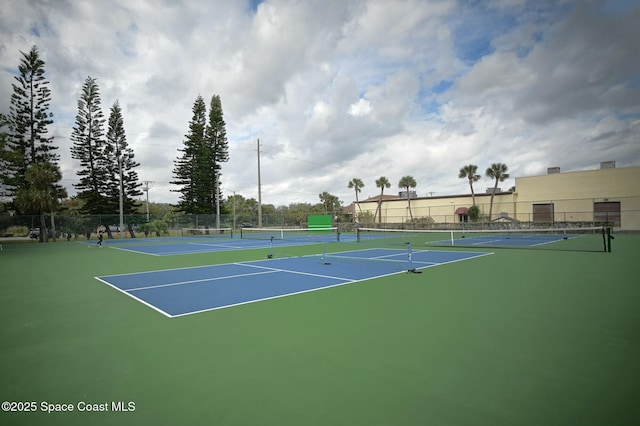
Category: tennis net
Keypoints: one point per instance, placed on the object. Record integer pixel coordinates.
(207, 232)
(318, 235)
(569, 239)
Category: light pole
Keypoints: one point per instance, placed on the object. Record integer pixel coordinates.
(217, 183)
(259, 190)
(146, 189)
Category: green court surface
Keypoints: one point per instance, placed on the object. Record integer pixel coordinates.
(521, 337)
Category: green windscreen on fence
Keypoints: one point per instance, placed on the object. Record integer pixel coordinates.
(320, 221)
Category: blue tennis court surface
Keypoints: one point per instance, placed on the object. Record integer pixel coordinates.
(509, 240)
(568, 239)
(185, 291)
(169, 246)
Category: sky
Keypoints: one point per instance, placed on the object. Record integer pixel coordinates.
(343, 89)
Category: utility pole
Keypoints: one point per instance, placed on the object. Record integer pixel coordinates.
(147, 186)
(259, 190)
(217, 200)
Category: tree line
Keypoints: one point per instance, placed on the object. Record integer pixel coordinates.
(29, 163)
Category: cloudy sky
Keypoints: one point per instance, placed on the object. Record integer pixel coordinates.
(342, 89)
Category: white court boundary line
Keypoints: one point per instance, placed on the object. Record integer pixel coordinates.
(220, 247)
(275, 270)
(154, 307)
(203, 280)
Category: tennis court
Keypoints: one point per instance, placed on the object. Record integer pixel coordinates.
(526, 337)
(203, 246)
(561, 239)
(178, 292)
(212, 240)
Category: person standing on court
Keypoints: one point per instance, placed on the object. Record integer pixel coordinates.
(101, 230)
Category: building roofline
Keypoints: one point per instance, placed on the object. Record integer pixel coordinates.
(478, 195)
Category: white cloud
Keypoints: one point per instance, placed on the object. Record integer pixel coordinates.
(342, 89)
(360, 108)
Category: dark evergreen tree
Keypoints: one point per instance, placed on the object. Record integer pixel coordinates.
(4, 137)
(29, 117)
(216, 148)
(188, 173)
(197, 171)
(117, 152)
(89, 148)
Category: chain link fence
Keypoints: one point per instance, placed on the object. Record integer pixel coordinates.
(622, 213)
(136, 225)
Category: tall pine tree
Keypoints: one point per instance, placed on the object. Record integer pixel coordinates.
(188, 171)
(216, 147)
(117, 152)
(28, 141)
(197, 171)
(4, 137)
(89, 148)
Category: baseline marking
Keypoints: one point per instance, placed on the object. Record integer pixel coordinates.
(268, 270)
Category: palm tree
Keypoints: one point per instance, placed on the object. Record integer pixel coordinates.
(497, 171)
(330, 202)
(381, 183)
(408, 182)
(356, 184)
(42, 194)
(470, 172)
